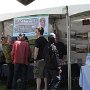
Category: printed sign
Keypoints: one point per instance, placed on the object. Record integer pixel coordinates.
(27, 25)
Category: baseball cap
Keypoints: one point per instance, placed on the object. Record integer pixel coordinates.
(52, 35)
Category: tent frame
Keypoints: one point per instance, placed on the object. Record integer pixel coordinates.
(68, 26)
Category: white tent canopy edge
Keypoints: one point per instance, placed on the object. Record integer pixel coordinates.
(55, 10)
(74, 9)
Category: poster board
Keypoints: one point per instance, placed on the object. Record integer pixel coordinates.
(27, 25)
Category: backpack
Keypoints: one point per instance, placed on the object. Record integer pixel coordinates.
(51, 56)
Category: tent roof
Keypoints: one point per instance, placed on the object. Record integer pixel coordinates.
(76, 9)
(12, 8)
(56, 10)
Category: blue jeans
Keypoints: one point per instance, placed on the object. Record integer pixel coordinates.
(20, 71)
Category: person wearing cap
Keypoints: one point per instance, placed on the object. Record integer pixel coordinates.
(39, 59)
(60, 47)
(21, 53)
(51, 56)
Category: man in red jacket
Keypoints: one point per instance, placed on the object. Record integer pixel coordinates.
(20, 56)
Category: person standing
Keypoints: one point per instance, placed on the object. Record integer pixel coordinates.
(2, 60)
(20, 55)
(60, 47)
(39, 59)
(7, 53)
(62, 53)
(52, 66)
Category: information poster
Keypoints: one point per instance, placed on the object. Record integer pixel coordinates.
(27, 25)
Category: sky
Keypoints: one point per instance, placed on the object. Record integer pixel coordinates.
(12, 6)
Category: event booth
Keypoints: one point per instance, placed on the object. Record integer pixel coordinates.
(64, 21)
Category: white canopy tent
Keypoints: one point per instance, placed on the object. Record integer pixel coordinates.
(74, 9)
(46, 7)
(12, 8)
(55, 10)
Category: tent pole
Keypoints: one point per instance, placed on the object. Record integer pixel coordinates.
(68, 26)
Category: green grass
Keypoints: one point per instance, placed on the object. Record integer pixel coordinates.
(32, 86)
(2, 86)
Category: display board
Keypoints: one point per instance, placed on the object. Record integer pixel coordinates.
(27, 25)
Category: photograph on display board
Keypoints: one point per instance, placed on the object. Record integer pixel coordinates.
(83, 36)
(81, 48)
(27, 25)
